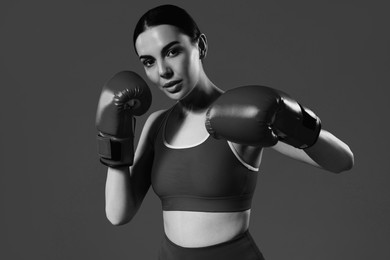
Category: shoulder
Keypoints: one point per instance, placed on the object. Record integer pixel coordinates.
(149, 131)
(153, 120)
(153, 123)
(154, 116)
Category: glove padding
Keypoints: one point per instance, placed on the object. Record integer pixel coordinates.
(260, 116)
(124, 96)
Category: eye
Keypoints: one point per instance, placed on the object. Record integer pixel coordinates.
(173, 52)
(148, 63)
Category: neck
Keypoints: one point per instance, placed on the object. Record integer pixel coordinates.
(201, 97)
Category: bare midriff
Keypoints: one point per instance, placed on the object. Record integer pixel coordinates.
(201, 229)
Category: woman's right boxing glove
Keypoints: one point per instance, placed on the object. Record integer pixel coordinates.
(124, 96)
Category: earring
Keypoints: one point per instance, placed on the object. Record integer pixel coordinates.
(202, 54)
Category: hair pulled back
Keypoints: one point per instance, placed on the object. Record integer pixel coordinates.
(169, 15)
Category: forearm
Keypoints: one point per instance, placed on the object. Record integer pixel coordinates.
(120, 202)
(265, 117)
(331, 153)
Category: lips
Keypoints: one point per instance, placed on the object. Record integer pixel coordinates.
(171, 83)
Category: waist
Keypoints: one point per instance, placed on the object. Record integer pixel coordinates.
(207, 204)
(201, 229)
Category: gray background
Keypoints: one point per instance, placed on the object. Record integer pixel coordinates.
(333, 56)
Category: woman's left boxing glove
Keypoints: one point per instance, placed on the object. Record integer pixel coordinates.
(124, 96)
(260, 116)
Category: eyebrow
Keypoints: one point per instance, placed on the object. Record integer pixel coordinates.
(164, 49)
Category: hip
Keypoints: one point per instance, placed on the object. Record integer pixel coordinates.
(241, 247)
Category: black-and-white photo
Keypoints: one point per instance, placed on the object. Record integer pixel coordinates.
(194, 130)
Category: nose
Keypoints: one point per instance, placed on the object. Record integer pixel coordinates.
(164, 70)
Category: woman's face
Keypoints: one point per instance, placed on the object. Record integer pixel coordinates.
(170, 59)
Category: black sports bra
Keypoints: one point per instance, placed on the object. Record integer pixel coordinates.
(207, 177)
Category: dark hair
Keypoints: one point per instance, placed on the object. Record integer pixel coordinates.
(170, 15)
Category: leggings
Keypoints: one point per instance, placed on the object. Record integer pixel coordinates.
(242, 247)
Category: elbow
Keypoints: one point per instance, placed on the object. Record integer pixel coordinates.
(346, 164)
(341, 169)
(117, 221)
(117, 218)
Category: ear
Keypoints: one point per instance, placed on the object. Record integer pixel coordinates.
(202, 44)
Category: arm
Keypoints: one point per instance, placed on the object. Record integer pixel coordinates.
(328, 153)
(265, 117)
(124, 96)
(127, 187)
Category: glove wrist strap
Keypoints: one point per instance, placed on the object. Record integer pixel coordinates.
(115, 152)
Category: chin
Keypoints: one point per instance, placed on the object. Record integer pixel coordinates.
(179, 95)
(174, 96)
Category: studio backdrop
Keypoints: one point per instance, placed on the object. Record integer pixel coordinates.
(55, 56)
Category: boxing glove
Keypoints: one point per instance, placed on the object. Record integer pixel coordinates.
(261, 116)
(124, 96)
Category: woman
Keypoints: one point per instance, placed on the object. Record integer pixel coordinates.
(205, 184)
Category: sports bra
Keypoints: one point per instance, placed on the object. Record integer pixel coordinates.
(207, 177)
